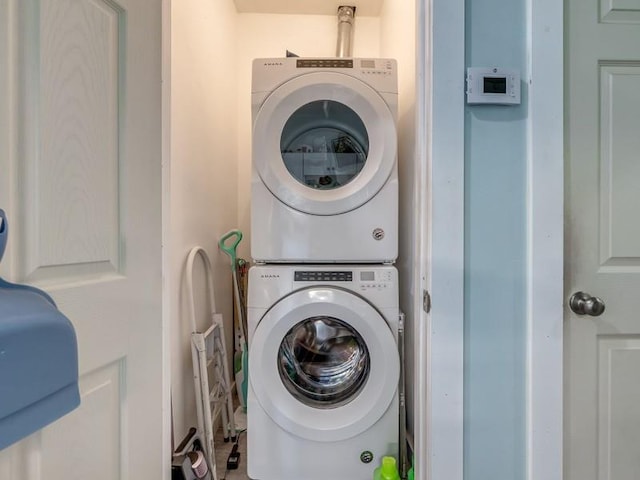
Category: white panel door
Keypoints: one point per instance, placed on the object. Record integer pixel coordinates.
(80, 180)
(602, 353)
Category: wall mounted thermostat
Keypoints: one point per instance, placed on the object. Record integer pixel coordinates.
(493, 86)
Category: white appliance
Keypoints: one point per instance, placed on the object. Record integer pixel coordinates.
(324, 180)
(323, 371)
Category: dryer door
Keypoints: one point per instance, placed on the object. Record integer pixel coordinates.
(324, 143)
(324, 364)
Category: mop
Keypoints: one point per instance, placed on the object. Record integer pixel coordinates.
(228, 244)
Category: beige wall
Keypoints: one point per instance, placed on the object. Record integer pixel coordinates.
(203, 171)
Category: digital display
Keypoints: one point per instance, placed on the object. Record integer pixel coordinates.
(495, 85)
(367, 276)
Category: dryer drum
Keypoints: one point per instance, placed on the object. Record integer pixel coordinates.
(324, 144)
(323, 362)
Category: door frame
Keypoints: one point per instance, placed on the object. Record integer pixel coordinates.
(440, 111)
(439, 331)
(545, 239)
(167, 283)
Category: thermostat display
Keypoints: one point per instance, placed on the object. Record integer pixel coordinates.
(493, 86)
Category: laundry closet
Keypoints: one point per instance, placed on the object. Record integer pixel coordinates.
(126, 141)
(213, 45)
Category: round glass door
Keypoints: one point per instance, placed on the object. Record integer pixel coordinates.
(324, 144)
(323, 362)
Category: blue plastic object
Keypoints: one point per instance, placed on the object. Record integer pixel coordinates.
(38, 359)
(4, 232)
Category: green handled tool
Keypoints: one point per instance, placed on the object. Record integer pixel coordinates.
(228, 243)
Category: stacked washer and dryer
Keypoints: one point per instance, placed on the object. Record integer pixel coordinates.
(323, 311)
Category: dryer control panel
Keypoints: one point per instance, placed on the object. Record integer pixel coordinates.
(324, 63)
(379, 73)
(322, 276)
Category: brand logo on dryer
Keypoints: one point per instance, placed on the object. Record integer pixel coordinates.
(269, 275)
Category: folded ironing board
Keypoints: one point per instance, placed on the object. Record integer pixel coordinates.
(38, 359)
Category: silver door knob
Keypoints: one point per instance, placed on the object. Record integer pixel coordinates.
(584, 304)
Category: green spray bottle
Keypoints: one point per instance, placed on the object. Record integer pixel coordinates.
(388, 470)
(411, 473)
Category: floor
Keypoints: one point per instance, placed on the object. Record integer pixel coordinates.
(222, 452)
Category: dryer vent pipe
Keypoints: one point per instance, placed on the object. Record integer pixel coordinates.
(346, 16)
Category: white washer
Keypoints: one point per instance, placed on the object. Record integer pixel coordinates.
(323, 371)
(325, 183)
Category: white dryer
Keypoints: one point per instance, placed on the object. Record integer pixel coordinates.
(323, 371)
(324, 153)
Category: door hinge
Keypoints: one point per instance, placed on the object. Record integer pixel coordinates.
(426, 301)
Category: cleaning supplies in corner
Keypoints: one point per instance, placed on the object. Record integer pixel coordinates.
(388, 470)
(188, 460)
(411, 473)
(198, 464)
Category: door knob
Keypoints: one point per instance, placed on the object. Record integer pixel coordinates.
(584, 304)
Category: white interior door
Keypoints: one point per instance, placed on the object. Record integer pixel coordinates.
(602, 353)
(80, 180)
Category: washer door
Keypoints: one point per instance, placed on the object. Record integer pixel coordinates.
(324, 143)
(324, 364)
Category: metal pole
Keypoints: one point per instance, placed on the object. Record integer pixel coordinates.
(346, 17)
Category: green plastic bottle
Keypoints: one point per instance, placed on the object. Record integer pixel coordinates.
(387, 471)
(410, 473)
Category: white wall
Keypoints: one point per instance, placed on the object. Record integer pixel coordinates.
(203, 171)
(270, 35)
(397, 39)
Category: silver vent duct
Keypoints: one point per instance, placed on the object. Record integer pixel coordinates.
(346, 16)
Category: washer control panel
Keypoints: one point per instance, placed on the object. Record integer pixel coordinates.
(377, 284)
(363, 279)
(376, 280)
